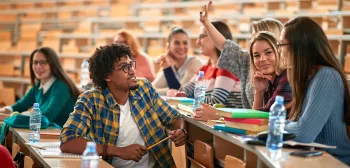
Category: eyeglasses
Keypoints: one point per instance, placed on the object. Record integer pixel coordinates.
(126, 67)
(281, 44)
(41, 62)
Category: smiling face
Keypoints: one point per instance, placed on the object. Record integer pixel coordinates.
(264, 57)
(178, 46)
(123, 77)
(206, 46)
(41, 67)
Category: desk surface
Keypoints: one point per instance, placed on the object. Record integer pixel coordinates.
(23, 136)
(286, 161)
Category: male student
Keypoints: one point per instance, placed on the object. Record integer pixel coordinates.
(123, 115)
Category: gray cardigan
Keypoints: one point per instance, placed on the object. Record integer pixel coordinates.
(236, 60)
(322, 118)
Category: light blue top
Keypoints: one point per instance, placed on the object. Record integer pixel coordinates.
(322, 118)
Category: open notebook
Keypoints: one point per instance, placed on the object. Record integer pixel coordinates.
(56, 153)
(52, 150)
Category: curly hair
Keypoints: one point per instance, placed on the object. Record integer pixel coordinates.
(102, 61)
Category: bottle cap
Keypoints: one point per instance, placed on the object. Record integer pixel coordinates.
(36, 105)
(201, 73)
(279, 99)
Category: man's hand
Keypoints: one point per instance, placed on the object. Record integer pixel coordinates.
(133, 152)
(178, 137)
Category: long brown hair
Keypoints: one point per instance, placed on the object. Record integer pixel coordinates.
(309, 49)
(56, 70)
(131, 41)
(270, 38)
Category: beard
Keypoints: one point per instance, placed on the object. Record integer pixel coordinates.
(134, 87)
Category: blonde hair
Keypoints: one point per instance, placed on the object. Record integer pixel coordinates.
(272, 40)
(131, 41)
(268, 24)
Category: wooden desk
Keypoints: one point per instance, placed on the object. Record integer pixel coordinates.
(21, 136)
(254, 156)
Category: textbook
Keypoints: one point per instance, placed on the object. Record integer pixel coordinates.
(222, 127)
(241, 113)
(248, 127)
(256, 121)
(179, 100)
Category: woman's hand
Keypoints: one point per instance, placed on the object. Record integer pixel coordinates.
(171, 92)
(261, 82)
(204, 14)
(5, 110)
(205, 113)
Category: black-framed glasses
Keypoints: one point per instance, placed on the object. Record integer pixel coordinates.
(40, 62)
(281, 44)
(126, 67)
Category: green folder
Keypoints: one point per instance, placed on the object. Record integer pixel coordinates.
(241, 113)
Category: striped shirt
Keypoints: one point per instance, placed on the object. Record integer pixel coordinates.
(222, 87)
(96, 117)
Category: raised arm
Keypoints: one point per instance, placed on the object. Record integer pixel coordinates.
(215, 36)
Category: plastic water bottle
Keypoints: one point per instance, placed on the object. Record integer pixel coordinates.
(277, 120)
(84, 77)
(90, 157)
(199, 90)
(35, 123)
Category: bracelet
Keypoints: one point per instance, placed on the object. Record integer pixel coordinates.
(104, 155)
(185, 132)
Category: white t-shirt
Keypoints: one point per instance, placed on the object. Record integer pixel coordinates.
(130, 134)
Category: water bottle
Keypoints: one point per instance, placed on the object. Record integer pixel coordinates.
(199, 90)
(90, 157)
(276, 125)
(35, 123)
(84, 77)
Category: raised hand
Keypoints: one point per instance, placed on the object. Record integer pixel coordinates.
(204, 14)
(261, 81)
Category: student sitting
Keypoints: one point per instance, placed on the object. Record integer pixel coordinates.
(51, 88)
(320, 106)
(145, 68)
(177, 67)
(222, 86)
(123, 115)
(235, 59)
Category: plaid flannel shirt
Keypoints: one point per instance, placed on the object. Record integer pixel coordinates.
(96, 118)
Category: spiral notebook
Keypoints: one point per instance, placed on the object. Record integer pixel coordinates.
(44, 145)
(56, 153)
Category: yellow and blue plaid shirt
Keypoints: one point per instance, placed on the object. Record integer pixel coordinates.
(96, 118)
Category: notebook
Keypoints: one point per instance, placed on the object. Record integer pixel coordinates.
(248, 127)
(241, 113)
(179, 100)
(44, 145)
(256, 121)
(56, 153)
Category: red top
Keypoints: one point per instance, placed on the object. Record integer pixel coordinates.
(5, 158)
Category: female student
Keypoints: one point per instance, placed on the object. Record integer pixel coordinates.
(177, 67)
(222, 86)
(51, 88)
(233, 58)
(144, 66)
(320, 106)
